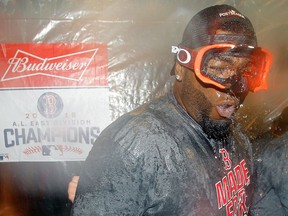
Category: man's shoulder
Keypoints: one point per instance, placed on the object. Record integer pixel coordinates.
(278, 147)
(147, 116)
(152, 126)
(147, 122)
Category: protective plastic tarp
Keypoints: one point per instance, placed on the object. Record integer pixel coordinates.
(138, 36)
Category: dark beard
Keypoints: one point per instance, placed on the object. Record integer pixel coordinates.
(219, 133)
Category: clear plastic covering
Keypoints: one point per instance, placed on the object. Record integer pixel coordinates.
(138, 35)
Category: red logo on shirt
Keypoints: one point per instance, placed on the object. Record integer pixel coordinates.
(225, 158)
(231, 189)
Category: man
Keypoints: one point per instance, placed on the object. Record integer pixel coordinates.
(271, 189)
(183, 154)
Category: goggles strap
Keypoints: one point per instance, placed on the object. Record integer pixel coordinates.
(185, 56)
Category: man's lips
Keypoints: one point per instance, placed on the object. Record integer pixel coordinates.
(226, 110)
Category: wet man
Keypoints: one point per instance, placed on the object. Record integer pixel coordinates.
(271, 160)
(183, 154)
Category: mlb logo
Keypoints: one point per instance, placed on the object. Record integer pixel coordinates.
(4, 157)
(52, 150)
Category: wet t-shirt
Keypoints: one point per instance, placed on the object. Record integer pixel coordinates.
(156, 160)
(271, 188)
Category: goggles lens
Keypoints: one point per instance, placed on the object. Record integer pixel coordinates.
(227, 66)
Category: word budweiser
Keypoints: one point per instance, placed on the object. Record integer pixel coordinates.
(26, 65)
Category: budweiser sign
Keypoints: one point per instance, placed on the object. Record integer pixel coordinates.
(53, 65)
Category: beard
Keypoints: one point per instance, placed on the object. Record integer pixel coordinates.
(218, 132)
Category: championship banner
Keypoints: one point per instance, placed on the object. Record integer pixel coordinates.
(55, 100)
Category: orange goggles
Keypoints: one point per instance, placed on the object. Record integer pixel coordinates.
(228, 66)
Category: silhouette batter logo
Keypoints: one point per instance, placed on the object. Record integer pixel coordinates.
(50, 105)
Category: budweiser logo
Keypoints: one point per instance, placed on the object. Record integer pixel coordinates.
(25, 64)
(53, 65)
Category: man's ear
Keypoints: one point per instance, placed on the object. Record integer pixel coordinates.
(179, 72)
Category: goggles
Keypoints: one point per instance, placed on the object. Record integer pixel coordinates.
(228, 66)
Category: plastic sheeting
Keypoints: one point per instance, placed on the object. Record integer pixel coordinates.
(139, 35)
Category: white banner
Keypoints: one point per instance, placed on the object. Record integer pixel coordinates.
(51, 124)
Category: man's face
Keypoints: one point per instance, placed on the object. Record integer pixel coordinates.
(215, 79)
(213, 108)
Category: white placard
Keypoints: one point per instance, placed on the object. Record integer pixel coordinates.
(51, 124)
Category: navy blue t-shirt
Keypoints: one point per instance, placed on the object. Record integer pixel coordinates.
(271, 188)
(156, 160)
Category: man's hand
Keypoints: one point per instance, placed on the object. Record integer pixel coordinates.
(72, 186)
